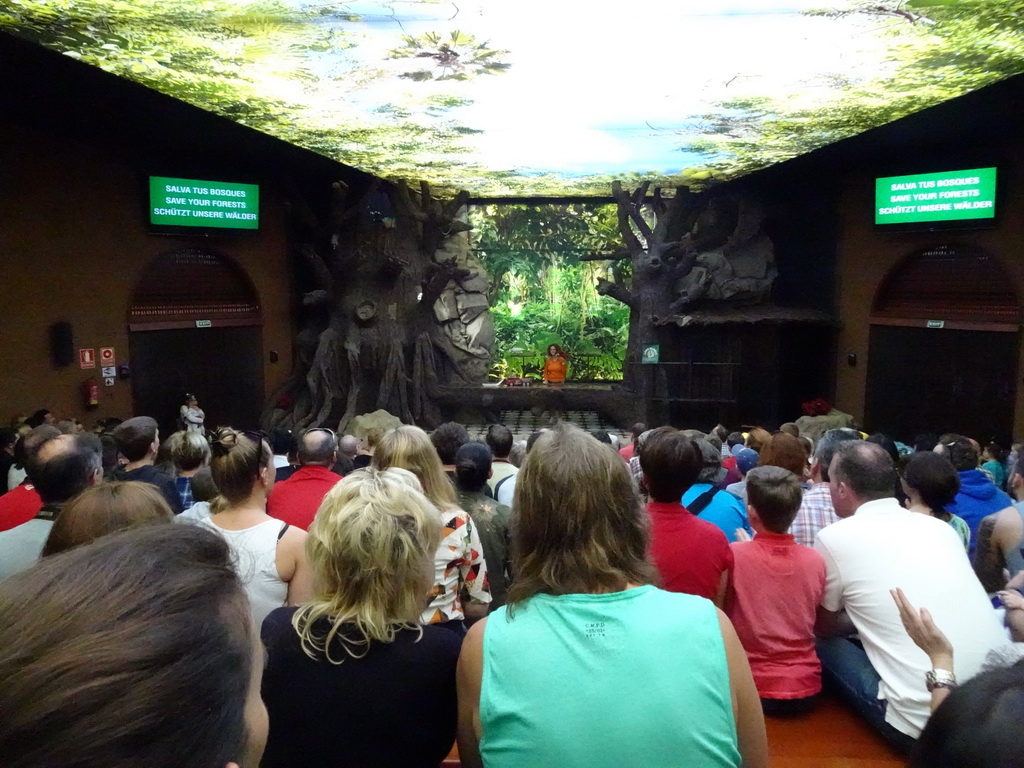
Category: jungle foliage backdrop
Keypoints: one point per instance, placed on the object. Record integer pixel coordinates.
(543, 294)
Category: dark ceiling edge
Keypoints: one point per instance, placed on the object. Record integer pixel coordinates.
(50, 91)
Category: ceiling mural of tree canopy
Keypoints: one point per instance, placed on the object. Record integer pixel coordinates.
(535, 97)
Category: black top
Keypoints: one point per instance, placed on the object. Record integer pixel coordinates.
(6, 462)
(394, 707)
(361, 461)
(147, 473)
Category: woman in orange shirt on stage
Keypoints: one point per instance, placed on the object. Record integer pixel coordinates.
(554, 365)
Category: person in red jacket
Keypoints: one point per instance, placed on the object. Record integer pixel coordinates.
(297, 499)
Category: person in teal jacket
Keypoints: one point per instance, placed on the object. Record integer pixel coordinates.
(588, 664)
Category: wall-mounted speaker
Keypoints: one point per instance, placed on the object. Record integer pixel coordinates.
(62, 344)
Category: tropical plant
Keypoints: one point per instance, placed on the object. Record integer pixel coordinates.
(459, 56)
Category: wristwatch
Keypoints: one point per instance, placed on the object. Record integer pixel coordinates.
(939, 678)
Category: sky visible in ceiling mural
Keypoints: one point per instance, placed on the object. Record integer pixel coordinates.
(545, 97)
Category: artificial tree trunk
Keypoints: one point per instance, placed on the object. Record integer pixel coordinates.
(701, 248)
(371, 339)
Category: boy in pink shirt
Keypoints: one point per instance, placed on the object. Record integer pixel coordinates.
(774, 592)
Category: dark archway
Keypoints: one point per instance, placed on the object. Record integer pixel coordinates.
(195, 325)
(944, 346)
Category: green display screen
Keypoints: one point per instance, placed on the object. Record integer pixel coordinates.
(947, 196)
(203, 204)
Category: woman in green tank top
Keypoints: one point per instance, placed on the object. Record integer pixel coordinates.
(588, 664)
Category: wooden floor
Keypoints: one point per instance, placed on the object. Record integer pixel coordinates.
(831, 736)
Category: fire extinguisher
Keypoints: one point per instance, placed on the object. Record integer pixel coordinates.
(91, 393)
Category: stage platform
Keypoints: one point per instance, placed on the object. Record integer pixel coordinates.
(610, 401)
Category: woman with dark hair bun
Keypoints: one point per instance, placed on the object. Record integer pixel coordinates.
(931, 483)
(135, 650)
(271, 554)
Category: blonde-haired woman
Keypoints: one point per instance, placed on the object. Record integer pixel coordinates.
(352, 678)
(269, 555)
(588, 664)
(459, 566)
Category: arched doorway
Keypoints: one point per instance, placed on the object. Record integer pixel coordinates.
(195, 326)
(944, 346)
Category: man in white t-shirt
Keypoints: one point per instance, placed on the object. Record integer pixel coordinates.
(876, 546)
(499, 440)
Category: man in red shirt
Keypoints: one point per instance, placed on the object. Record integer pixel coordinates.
(297, 499)
(22, 503)
(692, 555)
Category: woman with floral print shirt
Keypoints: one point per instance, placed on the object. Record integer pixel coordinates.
(459, 567)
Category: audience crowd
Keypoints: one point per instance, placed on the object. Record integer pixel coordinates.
(225, 597)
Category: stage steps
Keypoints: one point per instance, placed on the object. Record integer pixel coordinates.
(523, 423)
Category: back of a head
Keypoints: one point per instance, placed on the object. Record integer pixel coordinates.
(758, 438)
(518, 453)
(317, 447)
(866, 469)
(447, 439)
(135, 437)
(734, 439)
(282, 442)
(671, 463)
(499, 439)
(786, 451)
(935, 479)
(66, 465)
(601, 436)
(534, 437)
(408, 447)
(977, 726)
(746, 460)
(103, 509)
(28, 446)
(790, 428)
(348, 445)
(8, 437)
(637, 429)
(110, 452)
(189, 450)
(472, 466)
(961, 452)
(776, 494)
(38, 418)
(828, 444)
(66, 426)
(138, 644)
(579, 525)
(370, 547)
(926, 441)
(373, 437)
(236, 463)
(203, 487)
(882, 439)
(711, 463)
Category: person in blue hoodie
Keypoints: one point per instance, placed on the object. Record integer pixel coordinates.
(978, 495)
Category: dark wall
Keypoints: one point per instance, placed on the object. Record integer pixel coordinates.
(76, 146)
